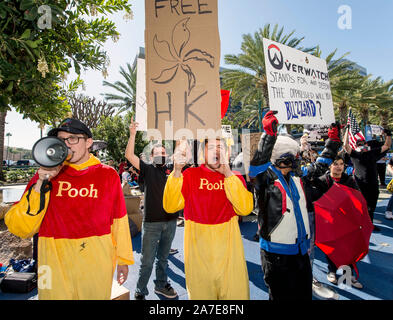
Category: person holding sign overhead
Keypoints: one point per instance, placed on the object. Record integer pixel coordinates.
(212, 196)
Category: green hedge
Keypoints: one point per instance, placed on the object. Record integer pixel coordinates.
(19, 175)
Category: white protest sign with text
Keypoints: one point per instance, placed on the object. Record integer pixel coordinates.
(298, 85)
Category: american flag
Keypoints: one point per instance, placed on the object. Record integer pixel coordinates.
(354, 133)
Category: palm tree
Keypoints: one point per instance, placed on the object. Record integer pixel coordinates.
(248, 82)
(385, 108)
(125, 98)
(371, 96)
(371, 100)
(343, 79)
(378, 105)
(343, 88)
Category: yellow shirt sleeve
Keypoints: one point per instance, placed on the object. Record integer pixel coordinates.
(122, 241)
(173, 199)
(242, 200)
(22, 224)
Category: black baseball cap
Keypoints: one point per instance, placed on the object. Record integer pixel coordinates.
(72, 126)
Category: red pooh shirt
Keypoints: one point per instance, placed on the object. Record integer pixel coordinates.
(205, 190)
(214, 262)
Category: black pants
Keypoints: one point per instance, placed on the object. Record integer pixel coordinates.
(370, 192)
(35, 251)
(381, 167)
(288, 277)
(332, 267)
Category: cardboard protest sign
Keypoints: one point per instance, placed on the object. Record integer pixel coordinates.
(298, 85)
(182, 65)
(141, 107)
(249, 147)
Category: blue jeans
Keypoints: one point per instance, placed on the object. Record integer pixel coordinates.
(157, 239)
(389, 207)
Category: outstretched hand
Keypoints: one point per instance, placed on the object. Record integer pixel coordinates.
(180, 156)
(133, 127)
(224, 169)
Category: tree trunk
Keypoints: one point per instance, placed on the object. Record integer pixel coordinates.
(2, 131)
(265, 93)
(384, 114)
(364, 117)
(343, 111)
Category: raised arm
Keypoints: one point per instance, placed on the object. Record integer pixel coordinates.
(261, 158)
(388, 140)
(346, 145)
(130, 150)
(173, 199)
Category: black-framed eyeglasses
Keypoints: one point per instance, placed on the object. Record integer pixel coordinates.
(72, 139)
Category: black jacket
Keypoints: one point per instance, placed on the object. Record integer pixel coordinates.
(314, 171)
(324, 183)
(278, 214)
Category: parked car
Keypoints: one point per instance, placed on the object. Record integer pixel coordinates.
(25, 162)
(8, 162)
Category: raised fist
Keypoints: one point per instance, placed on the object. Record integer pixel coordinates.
(334, 132)
(270, 123)
(387, 132)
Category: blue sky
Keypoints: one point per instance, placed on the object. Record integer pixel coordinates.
(370, 41)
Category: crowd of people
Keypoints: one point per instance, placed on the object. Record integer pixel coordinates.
(79, 213)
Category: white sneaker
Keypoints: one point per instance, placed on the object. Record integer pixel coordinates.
(322, 292)
(331, 277)
(389, 215)
(356, 283)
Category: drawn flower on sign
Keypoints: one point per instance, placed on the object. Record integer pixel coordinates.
(174, 53)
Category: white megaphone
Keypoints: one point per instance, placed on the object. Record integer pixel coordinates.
(50, 152)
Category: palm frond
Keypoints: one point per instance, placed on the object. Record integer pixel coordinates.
(125, 97)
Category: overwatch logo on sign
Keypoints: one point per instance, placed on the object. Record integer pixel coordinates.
(275, 57)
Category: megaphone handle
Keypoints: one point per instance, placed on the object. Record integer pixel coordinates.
(44, 187)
